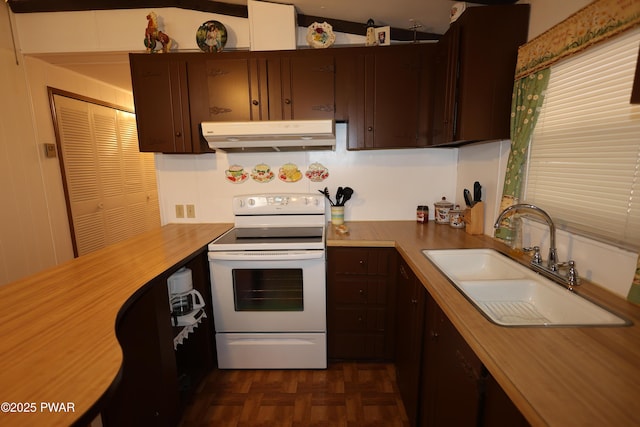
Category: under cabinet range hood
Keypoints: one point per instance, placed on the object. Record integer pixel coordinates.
(270, 135)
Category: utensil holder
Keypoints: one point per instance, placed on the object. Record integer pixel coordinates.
(337, 215)
(474, 219)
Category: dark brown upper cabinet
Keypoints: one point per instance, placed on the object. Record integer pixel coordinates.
(390, 95)
(302, 86)
(279, 85)
(475, 67)
(161, 97)
(174, 93)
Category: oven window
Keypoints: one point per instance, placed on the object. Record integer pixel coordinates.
(268, 289)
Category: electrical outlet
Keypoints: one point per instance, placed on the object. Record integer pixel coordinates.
(191, 211)
(179, 211)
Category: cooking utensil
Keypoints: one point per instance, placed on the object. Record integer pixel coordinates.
(326, 194)
(467, 198)
(347, 192)
(339, 196)
(477, 192)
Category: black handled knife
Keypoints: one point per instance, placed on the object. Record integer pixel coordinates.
(477, 192)
(467, 198)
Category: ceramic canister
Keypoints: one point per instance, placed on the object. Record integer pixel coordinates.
(456, 219)
(441, 212)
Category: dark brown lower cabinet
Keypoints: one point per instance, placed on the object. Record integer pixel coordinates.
(452, 381)
(360, 303)
(457, 390)
(499, 410)
(410, 309)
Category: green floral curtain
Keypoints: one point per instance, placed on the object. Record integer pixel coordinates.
(527, 98)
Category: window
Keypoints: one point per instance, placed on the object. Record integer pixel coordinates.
(584, 159)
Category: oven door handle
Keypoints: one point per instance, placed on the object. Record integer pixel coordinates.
(266, 255)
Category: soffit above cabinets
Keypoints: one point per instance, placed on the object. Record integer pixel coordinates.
(345, 16)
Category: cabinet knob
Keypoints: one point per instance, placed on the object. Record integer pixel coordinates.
(287, 101)
(370, 128)
(361, 291)
(178, 134)
(255, 102)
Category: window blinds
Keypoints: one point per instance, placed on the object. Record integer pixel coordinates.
(584, 158)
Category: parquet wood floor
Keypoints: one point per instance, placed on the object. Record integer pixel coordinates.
(345, 394)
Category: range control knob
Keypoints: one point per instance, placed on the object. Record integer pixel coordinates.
(252, 202)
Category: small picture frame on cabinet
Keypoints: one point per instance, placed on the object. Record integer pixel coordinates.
(383, 36)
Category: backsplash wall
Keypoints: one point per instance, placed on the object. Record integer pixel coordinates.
(388, 184)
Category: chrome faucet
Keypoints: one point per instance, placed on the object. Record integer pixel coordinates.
(552, 269)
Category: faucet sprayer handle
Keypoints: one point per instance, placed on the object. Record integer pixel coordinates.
(572, 273)
(536, 258)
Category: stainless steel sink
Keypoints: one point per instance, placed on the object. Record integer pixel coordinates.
(510, 294)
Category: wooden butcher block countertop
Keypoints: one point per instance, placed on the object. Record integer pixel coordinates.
(57, 328)
(561, 376)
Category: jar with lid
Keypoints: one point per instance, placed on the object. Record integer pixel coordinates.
(456, 219)
(422, 214)
(442, 211)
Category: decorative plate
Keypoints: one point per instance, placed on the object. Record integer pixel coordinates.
(289, 173)
(236, 174)
(320, 35)
(317, 172)
(211, 36)
(262, 173)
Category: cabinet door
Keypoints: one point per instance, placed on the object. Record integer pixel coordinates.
(499, 410)
(306, 88)
(410, 312)
(161, 98)
(236, 89)
(452, 380)
(475, 77)
(446, 78)
(394, 91)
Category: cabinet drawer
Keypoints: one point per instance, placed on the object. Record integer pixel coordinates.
(358, 319)
(360, 261)
(359, 291)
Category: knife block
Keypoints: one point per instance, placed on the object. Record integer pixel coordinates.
(474, 219)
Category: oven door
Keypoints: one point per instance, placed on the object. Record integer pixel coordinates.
(268, 291)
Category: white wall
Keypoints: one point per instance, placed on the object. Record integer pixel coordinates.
(388, 184)
(547, 13)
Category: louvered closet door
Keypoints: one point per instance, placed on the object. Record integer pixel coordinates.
(110, 186)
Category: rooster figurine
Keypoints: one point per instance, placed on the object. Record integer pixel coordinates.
(153, 35)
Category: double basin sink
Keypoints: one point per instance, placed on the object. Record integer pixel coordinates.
(510, 294)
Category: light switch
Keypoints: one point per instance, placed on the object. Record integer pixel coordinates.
(191, 211)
